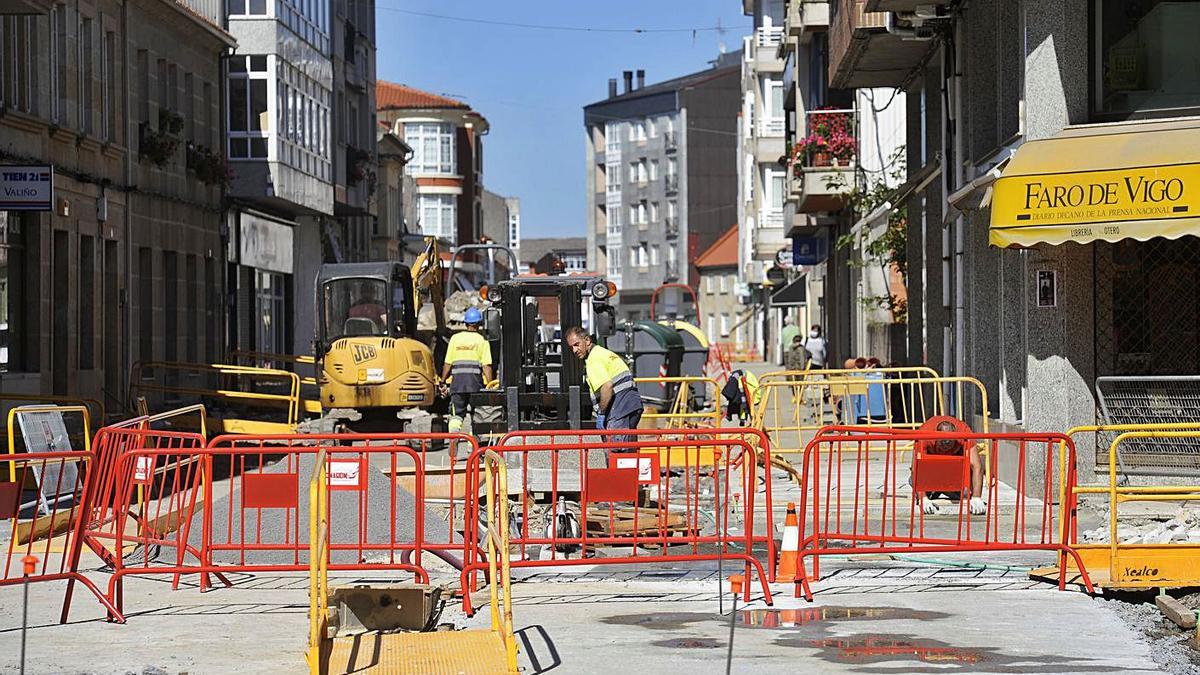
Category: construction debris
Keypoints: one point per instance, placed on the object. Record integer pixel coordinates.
(456, 306)
(1184, 527)
(1176, 611)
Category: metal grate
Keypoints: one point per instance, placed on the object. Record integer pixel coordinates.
(1150, 400)
(1147, 331)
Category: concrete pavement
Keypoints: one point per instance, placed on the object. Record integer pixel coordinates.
(872, 617)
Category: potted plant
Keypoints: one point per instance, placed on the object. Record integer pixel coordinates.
(830, 140)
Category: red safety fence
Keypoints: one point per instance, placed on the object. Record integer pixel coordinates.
(240, 504)
(863, 491)
(656, 499)
(758, 440)
(45, 505)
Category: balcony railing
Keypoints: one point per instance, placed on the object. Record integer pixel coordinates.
(670, 141)
(671, 226)
(768, 37)
(671, 183)
(770, 127)
(671, 271)
(771, 217)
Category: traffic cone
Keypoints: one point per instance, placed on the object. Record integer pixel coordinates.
(789, 552)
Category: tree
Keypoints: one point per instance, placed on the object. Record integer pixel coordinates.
(890, 249)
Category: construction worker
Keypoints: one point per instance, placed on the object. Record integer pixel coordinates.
(615, 397)
(468, 366)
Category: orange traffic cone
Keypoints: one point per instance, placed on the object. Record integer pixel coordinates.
(789, 552)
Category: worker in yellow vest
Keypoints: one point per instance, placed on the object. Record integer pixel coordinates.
(615, 396)
(468, 367)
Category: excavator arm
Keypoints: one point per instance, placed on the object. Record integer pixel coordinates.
(428, 283)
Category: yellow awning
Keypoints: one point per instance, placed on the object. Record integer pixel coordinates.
(1107, 181)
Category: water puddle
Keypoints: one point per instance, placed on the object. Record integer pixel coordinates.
(689, 643)
(882, 648)
(779, 619)
(794, 618)
(661, 620)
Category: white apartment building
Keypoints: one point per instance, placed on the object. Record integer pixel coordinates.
(762, 181)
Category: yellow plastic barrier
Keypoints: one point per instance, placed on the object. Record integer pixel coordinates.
(318, 566)
(680, 414)
(95, 408)
(1120, 565)
(791, 411)
(12, 435)
(241, 402)
(922, 372)
(467, 651)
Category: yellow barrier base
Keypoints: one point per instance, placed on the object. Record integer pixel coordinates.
(437, 653)
(1138, 566)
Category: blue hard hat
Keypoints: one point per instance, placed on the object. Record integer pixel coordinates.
(473, 315)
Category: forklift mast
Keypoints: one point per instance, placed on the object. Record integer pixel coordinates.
(541, 381)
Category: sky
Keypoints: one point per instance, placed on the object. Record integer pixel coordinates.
(532, 83)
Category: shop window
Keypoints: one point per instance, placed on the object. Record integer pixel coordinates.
(1145, 56)
(270, 313)
(20, 292)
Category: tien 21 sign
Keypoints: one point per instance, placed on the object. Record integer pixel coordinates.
(26, 188)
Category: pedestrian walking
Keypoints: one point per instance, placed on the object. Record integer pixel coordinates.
(817, 347)
(790, 332)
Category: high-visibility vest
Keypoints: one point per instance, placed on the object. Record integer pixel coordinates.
(467, 354)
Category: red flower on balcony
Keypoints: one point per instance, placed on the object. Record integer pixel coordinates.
(830, 135)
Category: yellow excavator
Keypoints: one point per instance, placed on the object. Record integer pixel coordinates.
(372, 358)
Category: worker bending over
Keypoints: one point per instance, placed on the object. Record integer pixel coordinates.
(615, 397)
(956, 447)
(469, 364)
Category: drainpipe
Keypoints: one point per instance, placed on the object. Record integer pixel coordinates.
(960, 314)
(130, 196)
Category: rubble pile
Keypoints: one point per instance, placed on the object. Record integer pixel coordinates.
(456, 306)
(1184, 527)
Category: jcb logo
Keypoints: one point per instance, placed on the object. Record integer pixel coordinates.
(363, 353)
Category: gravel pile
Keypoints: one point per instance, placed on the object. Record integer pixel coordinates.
(277, 525)
(1171, 648)
(1184, 527)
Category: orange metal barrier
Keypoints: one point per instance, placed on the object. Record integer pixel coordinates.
(656, 491)
(854, 499)
(45, 506)
(237, 504)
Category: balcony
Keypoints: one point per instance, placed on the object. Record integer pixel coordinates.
(822, 173)
(671, 227)
(671, 271)
(763, 47)
(903, 5)
(770, 127)
(864, 53)
(670, 141)
(671, 183)
(807, 16)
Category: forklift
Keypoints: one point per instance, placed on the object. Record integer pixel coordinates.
(540, 382)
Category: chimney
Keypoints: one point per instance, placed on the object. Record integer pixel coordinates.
(628, 75)
(641, 79)
(612, 87)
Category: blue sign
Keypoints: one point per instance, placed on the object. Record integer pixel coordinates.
(809, 250)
